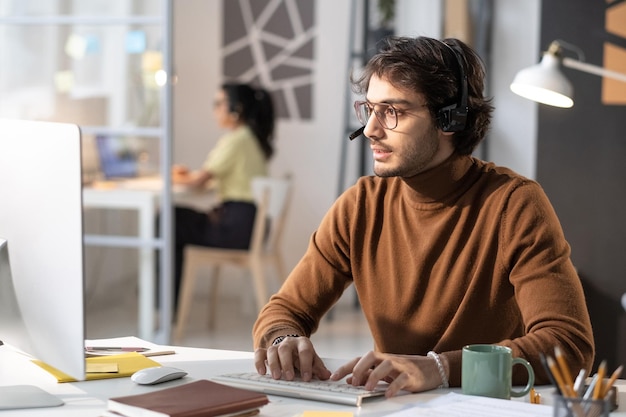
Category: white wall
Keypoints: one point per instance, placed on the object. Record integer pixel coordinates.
(419, 18)
(512, 141)
(196, 41)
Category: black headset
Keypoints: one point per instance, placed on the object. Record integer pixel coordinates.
(453, 118)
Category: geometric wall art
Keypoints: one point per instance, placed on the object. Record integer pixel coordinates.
(271, 43)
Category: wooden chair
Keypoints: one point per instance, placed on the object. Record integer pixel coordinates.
(272, 198)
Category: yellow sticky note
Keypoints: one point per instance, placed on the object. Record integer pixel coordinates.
(327, 414)
(126, 363)
(101, 367)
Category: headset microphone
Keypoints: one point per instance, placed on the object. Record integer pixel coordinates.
(356, 133)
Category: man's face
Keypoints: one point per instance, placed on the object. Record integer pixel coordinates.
(415, 145)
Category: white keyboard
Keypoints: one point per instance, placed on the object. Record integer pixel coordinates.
(327, 391)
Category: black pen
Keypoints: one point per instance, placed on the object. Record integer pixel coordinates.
(544, 362)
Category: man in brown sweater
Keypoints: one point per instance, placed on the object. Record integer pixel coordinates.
(444, 250)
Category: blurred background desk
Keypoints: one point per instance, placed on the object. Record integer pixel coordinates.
(141, 195)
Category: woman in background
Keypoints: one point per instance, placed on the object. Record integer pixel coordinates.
(239, 155)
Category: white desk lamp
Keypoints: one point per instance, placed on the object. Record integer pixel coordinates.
(545, 83)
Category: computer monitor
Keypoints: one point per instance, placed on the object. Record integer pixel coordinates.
(41, 246)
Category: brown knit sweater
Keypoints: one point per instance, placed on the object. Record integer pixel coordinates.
(464, 253)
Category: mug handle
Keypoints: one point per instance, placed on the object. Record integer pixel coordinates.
(531, 377)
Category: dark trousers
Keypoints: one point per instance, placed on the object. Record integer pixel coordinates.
(227, 226)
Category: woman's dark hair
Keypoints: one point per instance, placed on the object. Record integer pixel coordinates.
(427, 66)
(256, 109)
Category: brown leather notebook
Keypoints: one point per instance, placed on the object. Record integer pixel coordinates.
(200, 398)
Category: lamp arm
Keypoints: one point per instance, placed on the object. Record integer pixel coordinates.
(593, 69)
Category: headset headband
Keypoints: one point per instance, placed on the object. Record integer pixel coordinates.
(453, 118)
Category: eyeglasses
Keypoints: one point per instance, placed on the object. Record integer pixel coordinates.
(386, 114)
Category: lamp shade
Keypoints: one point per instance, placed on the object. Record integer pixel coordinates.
(544, 83)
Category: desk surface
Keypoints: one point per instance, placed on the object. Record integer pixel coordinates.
(125, 193)
(89, 398)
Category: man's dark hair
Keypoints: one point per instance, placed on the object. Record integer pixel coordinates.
(427, 66)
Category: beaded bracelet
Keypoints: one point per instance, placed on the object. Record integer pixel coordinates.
(442, 371)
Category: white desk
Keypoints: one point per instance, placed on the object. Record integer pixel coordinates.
(89, 398)
(143, 196)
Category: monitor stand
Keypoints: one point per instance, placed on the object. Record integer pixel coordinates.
(26, 396)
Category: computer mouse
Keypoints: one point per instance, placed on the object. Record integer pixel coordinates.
(156, 375)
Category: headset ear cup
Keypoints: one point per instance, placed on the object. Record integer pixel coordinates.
(457, 120)
(451, 118)
(443, 119)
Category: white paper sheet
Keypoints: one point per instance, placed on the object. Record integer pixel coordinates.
(458, 405)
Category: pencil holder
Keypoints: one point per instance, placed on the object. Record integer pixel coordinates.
(578, 407)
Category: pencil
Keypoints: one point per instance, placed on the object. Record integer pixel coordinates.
(565, 389)
(598, 390)
(612, 380)
(565, 373)
(159, 353)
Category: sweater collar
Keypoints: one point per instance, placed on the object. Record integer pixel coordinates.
(438, 182)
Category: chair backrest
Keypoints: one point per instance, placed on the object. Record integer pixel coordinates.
(272, 200)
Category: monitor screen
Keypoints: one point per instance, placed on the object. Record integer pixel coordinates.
(41, 243)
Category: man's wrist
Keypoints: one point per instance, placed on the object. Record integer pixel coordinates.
(279, 339)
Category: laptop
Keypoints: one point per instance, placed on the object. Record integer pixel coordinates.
(118, 159)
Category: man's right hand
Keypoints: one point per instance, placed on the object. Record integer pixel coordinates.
(293, 354)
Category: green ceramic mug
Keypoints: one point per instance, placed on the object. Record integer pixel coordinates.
(486, 371)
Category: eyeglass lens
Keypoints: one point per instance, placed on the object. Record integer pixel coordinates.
(385, 113)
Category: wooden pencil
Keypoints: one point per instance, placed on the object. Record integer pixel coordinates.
(599, 388)
(612, 380)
